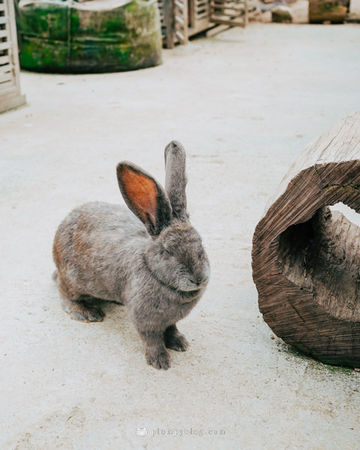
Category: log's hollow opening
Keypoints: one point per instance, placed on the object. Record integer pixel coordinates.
(322, 257)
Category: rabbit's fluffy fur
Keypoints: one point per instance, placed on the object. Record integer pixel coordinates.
(159, 271)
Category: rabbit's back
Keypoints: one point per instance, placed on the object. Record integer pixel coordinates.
(94, 247)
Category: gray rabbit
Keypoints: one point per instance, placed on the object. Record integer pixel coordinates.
(160, 271)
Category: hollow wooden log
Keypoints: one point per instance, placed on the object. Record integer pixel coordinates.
(306, 258)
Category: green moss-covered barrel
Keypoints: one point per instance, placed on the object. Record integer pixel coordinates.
(89, 36)
(333, 11)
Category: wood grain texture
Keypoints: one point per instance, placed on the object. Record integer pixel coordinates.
(306, 259)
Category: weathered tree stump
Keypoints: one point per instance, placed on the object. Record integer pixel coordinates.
(306, 259)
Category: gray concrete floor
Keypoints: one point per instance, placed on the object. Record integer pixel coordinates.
(244, 103)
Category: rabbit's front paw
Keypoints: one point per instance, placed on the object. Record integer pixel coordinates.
(175, 340)
(159, 360)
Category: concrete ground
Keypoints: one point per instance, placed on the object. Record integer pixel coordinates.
(244, 103)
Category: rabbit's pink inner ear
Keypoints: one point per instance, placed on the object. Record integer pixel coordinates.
(141, 192)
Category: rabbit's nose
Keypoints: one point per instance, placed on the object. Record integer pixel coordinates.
(201, 279)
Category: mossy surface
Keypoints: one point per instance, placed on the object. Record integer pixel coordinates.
(55, 38)
(327, 10)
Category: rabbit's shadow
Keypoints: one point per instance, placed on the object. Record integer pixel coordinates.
(116, 319)
(114, 311)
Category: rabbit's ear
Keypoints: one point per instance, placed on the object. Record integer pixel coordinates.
(175, 180)
(144, 197)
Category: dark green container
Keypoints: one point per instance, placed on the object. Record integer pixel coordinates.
(91, 36)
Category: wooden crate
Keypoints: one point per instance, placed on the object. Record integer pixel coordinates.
(181, 19)
(199, 16)
(10, 95)
(228, 12)
(174, 22)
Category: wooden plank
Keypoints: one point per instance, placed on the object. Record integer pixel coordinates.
(227, 14)
(229, 22)
(167, 24)
(181, 22)
(10, 101)
(191, 15)
(180, 36)
(227, 8)
(14, 43)
(4, 60)
(246, 13)
(4, 68)
(7, 88)
(3, 20)
(179, 5)
(201, 12)
(203, 16)
(4, 34)
(4, 46)
(222, 4)
(6, 76)
(227, 4)
(202, 6)
(217, 29)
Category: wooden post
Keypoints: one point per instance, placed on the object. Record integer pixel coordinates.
(306, 259)
(168, 22)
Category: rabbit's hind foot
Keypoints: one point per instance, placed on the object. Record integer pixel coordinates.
(175, 340)
(83, 310)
